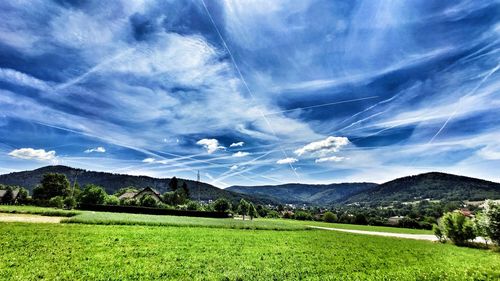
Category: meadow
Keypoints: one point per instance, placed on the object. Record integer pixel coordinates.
(111, 252)
(102, 218)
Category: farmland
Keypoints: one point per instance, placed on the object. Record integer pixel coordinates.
(99, 252)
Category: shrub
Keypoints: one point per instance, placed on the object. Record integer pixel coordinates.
(112, 200)
(457, 227)
(438, 232)
(272, 214)
(148, 201)
(330, 217)
(56, 202)
(303, 216)
(93, 195)
(69, 203)
(193, 206)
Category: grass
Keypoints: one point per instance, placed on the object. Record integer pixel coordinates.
(106, 218)
(34, 210)
(363, 227)
(98, 252)
(103, 218)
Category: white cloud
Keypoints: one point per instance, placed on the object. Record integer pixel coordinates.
(236, 144)
(241, 154)
(330, 159)
(234, 167)
(99, 149)
(330, 144)
(149, 160)
(36, 154)
(288, 160)
(211, 145)
(490, 152)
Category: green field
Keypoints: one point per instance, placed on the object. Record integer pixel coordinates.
(88, 217)
(100, 252)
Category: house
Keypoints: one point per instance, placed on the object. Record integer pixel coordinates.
(15, 195)
(138, 195)
(394, 220)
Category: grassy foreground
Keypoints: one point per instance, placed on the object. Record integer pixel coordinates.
(97, 252)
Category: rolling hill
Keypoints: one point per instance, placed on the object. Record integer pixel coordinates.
(112, 182)
(315, 194)
(434, 186)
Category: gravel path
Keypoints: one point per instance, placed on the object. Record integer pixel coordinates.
(427, 237)
(28, 218)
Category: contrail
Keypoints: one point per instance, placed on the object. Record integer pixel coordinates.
(245, 83)
(320, 105)
(460, 101)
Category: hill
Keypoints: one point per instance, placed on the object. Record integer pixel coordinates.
(434, 186)
(112, 182)
(314, 194)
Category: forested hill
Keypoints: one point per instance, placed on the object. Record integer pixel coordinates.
(315, 194)
(113, 182)
(434, 186)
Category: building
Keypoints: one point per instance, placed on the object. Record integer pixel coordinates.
(15, 195)
(138, 195)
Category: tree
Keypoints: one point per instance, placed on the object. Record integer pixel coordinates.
(52, 185)
(252, 212)
(148, 201)
(222, 205)
(491, 220)
(185, 189)
(329, 217)
(93, 195)
(76, 190)
(22, 195)
(457, 227)
(243, 208)
(173, 184)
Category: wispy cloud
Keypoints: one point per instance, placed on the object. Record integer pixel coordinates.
(236, 144)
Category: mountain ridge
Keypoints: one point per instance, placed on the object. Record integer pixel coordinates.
(111, 182)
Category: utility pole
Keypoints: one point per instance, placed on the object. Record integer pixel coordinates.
(198, 185)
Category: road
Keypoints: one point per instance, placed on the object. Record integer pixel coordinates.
(427, 237)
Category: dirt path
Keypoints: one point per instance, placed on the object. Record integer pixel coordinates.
(28, 218)
(427, 237)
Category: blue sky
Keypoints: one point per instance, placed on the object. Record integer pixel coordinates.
(252, 92)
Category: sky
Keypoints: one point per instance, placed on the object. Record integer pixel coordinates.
(252, 92)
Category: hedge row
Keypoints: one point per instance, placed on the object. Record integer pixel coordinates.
(152, 211)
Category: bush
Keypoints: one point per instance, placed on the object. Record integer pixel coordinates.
(69, 203)
(303, 216)
(330, 217)
(193, 206)
(112, 200)
(457, 227)
(272, 214)
(438, 232)
(93, 195)
(148, 201)
(56, 202)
